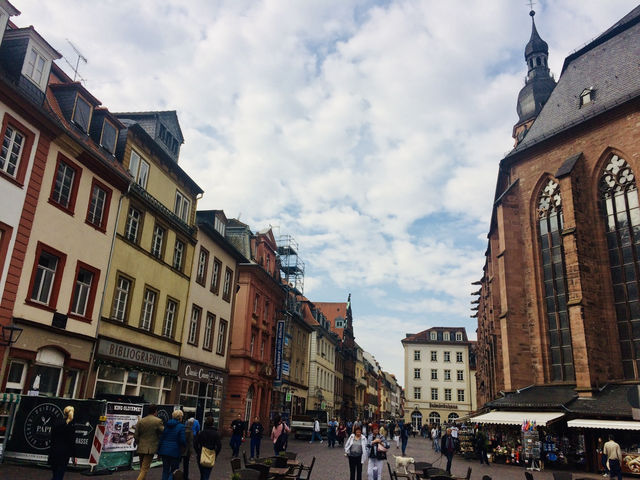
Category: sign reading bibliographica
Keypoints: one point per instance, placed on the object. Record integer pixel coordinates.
(127, 353)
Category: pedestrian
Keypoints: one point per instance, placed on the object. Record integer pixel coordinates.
(255, 432)
(279, 434)
(63, 443)
(196, 427)
(614, 457)
(331, 433)
(396, 435)
(349, 427)
(342, 433)
(208, 438)
(316, 431)
(481, 445)
(602, 457)
(435, 436)
(356, 450)
(188, 446)
(171, 443)
(378, 446)
(147, 436)
(237, 434)
(405, 429)
(448, 448)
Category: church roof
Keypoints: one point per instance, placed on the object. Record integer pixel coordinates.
(536, 44)
(607, 65)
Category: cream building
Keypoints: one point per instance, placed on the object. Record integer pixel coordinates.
(438, 376)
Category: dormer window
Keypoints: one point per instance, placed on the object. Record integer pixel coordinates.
(168, 139)
(433, 335)
(82, 114)
(587, 96)
(109, 137)
(458, 336)
(219, 226)
(445, 336)
(35, 67)
(139, 169)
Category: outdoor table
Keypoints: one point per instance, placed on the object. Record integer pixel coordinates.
(294, 462)
(279, 471)
(433, 471)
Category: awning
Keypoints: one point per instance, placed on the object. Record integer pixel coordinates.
(604, 424)
(516, 418)
(9, 397)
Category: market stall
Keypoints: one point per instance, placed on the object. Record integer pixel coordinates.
(8, 403)
(626, 434)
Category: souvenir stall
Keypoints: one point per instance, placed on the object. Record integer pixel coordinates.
(8, 403)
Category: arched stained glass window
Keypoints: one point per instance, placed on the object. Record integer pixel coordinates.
(619, 205)
(555, 283)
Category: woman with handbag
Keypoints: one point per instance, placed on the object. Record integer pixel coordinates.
(279, 434)
(207, 445)
(357, 451)
(378, 446)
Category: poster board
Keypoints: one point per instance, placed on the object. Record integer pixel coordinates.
(31, 434)
(122, 419)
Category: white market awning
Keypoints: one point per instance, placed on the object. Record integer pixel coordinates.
(516, 418)
(604, 424)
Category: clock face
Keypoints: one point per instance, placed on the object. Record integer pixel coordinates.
(37, 427)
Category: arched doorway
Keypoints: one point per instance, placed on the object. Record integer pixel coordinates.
(434, 418)
(452, 417)
(416, 420)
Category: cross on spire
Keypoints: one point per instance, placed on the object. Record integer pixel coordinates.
(531, 4)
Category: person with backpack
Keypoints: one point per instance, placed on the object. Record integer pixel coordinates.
(279, 434)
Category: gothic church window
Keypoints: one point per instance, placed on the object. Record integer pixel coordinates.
(619, 205)
(550, 220)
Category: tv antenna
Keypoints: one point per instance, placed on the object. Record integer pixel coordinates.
(77, 65)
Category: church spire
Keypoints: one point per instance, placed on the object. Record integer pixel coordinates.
(539, 82)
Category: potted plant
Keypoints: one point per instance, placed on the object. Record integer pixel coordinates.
(268, 462)
(283, 454)
(235, 476)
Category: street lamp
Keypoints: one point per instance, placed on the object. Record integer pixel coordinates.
(10, 334)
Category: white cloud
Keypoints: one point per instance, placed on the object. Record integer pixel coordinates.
(370, 132)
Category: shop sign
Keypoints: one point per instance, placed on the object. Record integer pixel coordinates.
(448, 406)
(279, 343)
(31, 437)
(288, 398)
(195, 372)
(285, 368)
(121, 352)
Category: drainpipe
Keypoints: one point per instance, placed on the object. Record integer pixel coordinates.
(104, 289)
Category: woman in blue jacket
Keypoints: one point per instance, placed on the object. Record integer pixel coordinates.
(171, 444)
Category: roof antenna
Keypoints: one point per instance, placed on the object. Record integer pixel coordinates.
(80, 57)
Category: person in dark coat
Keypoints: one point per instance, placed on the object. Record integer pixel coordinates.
(209, 438)
(188, 447)
(255, 430)
(448, 448)
(63, 444)
(171, 443)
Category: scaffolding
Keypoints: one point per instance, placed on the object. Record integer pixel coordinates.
(291, 266)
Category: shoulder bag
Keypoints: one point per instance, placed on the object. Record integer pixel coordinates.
(207, 457)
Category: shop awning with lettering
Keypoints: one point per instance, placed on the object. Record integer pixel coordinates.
(604, 424)
(516, 418)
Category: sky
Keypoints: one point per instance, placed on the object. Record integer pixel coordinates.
(370, 131)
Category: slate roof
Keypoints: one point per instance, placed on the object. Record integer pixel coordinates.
(609, 64)
(611, 400)
(541, 397)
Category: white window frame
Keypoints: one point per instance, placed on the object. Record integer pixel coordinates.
(148, 308)
(10, 152)
(178, 254)
(458, 336)
(109, 148)
(82, 126)
(434, 355)
(14, 385)
(433, 335)
(447, 375)
(47, 277)
(447, 395)
(132, 227)
(29, 68)
(81, 290)
(434, 374)
(434, 394)
(417, 392)
(157, 242)
(460, 375)
(416, 355)
(139, 168)
(459, 357)
(460, 395)
(170, 313)
(222, 335)
(196, 313)
(58, 194)
(97, 205)
(447, 356)
(416, 373)
(121, 298)
(208, 331)
(446, 336)
(182, 207)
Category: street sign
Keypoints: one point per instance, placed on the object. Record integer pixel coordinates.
(288, 396)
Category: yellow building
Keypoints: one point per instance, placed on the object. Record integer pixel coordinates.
(361, 383)
(146, 296)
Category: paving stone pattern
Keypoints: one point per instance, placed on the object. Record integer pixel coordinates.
(330, 465)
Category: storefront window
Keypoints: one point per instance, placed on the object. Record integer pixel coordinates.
(15, 378)
(70, 382)
(45, 380)
(154, 388)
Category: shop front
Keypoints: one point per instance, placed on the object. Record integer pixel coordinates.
(129, 370)
(625, 432)
(202, 390)
(47, 363)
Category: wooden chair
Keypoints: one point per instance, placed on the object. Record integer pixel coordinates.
(306, 470)
(244, 457)
(291, 455)
(279, 461)
(236, 464)
(395, 475)
(263, 469)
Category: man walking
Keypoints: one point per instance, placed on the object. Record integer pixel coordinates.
(448, 448)
(147, 437)
(481, 445)
(237, 432)
(614, 457)
(435, 438)
(316, 431)
(405, 428)
(255, 431)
